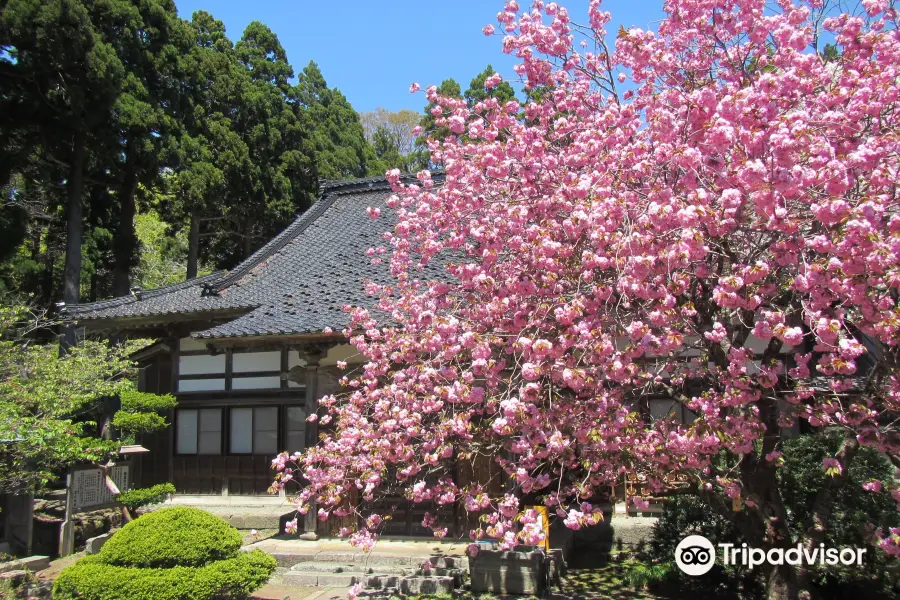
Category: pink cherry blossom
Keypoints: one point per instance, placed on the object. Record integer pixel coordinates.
(719, 240)
(872, 486)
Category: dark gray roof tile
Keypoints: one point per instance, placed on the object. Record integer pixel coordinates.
(297, 283)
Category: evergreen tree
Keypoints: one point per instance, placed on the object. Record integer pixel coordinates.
(338, 140)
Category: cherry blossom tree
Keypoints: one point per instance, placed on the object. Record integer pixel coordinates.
(706, 213)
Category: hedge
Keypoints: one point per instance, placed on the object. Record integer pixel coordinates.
(236, 578)
(172, 537)
(143, 496)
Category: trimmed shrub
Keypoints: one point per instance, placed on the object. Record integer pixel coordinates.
(144, 496)
(176, 553)
(236, 578)
(172, 537)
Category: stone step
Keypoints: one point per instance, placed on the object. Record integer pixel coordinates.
(360, 558)
(317, 579)
(344, 567)
(427, 585)
(405, 579)
(372, 581)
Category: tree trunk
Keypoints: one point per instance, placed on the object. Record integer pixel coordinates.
(74, 230)
(781, 583)
(49, 274)
(126, 241)
(74, 216)
(193, 245)
(248, 239)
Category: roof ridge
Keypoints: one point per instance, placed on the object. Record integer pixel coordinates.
(330, 190)
(368, 183)
(145, 294)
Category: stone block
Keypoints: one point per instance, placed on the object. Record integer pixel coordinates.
(93, 545)
(501, 572)
(426, 585)
(339, 579)
(450, 562)
(309, 536)
(300, 578)
(289, 560)
(387, 559)
(32, 563)
(14, 578)
(380, 582)
(260, 522)
(631, 532)
(323, 567)
(237, 521)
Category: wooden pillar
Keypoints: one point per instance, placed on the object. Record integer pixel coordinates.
(312, 354)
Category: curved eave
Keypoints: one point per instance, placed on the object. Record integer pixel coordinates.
(134, 323)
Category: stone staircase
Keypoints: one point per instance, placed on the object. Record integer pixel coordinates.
(403, 573)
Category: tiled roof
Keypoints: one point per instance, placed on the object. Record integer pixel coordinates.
(295, 284)
(179, 298)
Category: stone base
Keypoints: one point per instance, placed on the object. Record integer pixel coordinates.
(631, 532)
(93, 545)
(32, 563)
(426, 585)
(501, 572)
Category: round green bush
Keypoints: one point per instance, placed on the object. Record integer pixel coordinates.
(172, 537)
(234, 578)
(172, 554)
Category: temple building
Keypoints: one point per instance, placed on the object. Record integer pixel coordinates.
(248, 352)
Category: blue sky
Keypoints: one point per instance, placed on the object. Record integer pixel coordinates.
(372, 50)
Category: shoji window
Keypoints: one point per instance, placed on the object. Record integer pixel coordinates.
(198, 431)
(254, 430)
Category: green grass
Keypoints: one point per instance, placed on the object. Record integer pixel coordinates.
(609, 581)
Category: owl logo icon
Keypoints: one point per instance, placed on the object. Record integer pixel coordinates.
(695, 555)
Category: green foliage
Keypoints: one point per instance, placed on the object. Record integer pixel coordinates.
(688, 515)
(180, 147)
(640, 576)
(392, 140)
(50, 404)
(163, 248)
(449, 88)
(135, 401)
(176, 553)
(475, 93)
(478, 93)
(145, 496)
(853, 513)
(136, 423)
(337, 135)
(172, 537)
(234, 578)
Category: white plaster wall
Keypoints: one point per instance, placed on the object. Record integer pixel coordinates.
(344, 352)
(197, 365)
(201, 385)
(244, 362)
(255, 383)
(187, 344)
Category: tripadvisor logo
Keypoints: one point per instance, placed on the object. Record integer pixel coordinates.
(695, 555)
